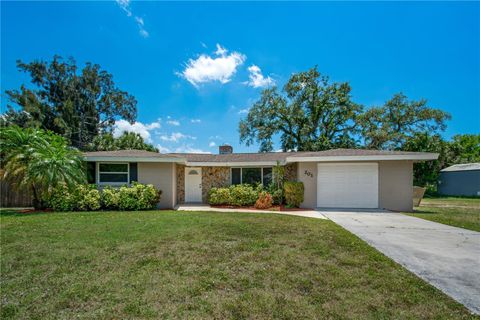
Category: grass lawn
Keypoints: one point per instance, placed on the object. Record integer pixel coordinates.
(458, 212)
(166, 264)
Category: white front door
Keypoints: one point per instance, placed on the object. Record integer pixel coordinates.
(193, 184)
(347, 185)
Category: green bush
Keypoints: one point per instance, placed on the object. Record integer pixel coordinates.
(243, 195)
(62, 199)
(80, 198)
(138, 197)
(219, 196)
(110, 198)
(277, 194)
(87, 198)
(236, 195)
(293, 193)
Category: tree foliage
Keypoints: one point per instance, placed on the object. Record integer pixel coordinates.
(309, 114)
(127, 141)
(38, 160)
(75, 104)
(389, 126)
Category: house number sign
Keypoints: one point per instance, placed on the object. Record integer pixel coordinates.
(308, 174)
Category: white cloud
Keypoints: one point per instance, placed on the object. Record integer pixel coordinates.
(163, 149)
(212, 144)
(189, 149)
(125, 6)
(243, 111)
(221, 67)
(176, 136)
(173, 123)
(143, 130)
(195, 121)
(257, 79)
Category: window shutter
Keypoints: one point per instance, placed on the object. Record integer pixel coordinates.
(91, 172)
(133, 172)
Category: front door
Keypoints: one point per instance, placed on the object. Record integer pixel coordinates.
(193, 184)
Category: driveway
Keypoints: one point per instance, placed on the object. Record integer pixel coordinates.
(445, 256)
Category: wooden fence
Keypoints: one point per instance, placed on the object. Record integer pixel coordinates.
(13, 198)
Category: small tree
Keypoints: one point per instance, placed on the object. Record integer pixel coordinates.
(39, 160)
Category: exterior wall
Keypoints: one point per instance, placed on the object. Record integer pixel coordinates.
(395, 185)
(459, 183)
(162, 176)
(180, 183)
(291, 171)
(214, 177)
(307, 173)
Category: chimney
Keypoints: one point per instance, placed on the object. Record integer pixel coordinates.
(225, 149)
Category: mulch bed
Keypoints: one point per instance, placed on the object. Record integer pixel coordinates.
(274, 208)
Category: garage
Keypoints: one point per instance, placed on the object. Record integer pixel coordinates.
(347, 185)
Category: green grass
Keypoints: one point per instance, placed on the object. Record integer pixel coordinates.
(165, 264)
(457, 212)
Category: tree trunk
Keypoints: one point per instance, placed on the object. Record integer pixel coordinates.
(38, 204)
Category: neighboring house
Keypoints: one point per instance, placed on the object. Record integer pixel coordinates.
(340, 178)
(460, 180)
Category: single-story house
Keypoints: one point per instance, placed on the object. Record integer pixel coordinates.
(339, 178)
(460, 180)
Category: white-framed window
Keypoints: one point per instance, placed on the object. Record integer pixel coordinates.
(113, 173)
(251, 175)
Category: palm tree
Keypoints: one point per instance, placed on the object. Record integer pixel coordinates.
(40, 161)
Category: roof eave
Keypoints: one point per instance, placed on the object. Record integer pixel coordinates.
(232, 163)
(411, 157)
(134, 159)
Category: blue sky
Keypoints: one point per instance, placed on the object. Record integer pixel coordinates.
(195, 68)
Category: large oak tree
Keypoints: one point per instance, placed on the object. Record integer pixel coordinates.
(77, 104)
(310, 113)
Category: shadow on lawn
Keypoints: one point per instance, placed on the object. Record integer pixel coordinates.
(6, 212)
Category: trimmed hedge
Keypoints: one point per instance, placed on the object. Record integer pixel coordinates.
(236, 195)
(88, 198)
(293, 193)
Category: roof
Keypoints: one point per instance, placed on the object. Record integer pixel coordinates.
(259, 158)
(132, 155)
(304, 156)
(462, 167)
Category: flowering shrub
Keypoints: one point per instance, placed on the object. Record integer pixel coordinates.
(264, 200)
(88, 198)
(219, 196)
(80, 198)
(110, 198)
(138, 197)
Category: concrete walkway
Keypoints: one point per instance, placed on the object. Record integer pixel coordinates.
(205, 207)
(445, 256)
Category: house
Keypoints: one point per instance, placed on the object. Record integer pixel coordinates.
(460, 180)
(339, 178)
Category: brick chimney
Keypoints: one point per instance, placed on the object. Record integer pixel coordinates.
(225, 149)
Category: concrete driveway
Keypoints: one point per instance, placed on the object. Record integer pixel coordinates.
(445, 256)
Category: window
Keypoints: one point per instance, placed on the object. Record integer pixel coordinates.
(236, 176)
(267, 176)
(113, 173)
(251, 175)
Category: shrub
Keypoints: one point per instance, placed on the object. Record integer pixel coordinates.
(243, 195)
(138, 197)
(277, 194)
(264, 200)
(219, 196)
(293, 193)
(110, 198)
(81, 197)
(61, 199)
(87, 198)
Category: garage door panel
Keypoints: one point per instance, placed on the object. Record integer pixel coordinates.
(347, 185)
